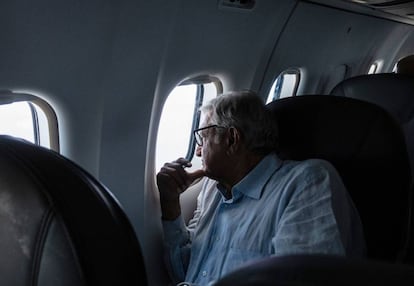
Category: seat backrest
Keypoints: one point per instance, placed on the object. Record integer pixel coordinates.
(395, 93)
(367, 147)
(59, 225)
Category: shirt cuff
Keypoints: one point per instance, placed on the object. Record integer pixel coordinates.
(174, 229)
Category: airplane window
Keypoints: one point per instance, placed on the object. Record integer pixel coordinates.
(285, 85)
(16, 120)
(179, 117)
(376, 67)
(29, 117)
(373, 68)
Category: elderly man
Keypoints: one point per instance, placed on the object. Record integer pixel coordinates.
(253, 204)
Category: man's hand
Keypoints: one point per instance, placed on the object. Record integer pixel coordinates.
(172, 180)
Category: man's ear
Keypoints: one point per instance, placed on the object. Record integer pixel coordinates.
(233, 139)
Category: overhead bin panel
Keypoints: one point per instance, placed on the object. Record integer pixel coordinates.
(402, 8)
(396, 10)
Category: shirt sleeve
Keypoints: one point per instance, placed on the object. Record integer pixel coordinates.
(178, 237)
(176, 241)
(307, 223)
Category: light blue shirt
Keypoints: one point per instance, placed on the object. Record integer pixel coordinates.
(279, 208)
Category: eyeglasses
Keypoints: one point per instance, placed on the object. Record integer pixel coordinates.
(198, 138)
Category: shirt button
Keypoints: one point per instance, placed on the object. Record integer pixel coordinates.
(204, 273)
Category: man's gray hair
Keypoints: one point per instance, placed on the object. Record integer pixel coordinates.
(245, 111)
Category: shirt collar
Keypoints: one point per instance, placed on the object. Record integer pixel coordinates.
(253, 183)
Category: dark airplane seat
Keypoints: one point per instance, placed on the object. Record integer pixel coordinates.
(367, 147)
(395, 93)
(59, 226)
(319, 270)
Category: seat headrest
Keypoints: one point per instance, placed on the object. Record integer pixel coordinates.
(367, 147)
(393, 92)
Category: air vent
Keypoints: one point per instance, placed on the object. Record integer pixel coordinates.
(237, 4)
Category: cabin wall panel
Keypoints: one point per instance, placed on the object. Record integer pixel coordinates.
(320, 38)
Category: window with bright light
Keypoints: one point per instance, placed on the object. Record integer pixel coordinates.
(376, 66)
(285, 85)
(28, 117)
(180, 116)
(373, 68)
(16, 120)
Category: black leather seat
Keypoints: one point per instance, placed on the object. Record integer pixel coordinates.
(59, 225)
(395, 93)
(367, 147)
(319, 270)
